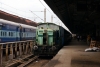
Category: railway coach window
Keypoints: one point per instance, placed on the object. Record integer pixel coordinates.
(9, 34)
(27, 34)
(5, 33)
(1, 33)
(22, 34)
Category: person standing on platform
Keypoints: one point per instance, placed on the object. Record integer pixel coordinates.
(78, 38)
(88, 39)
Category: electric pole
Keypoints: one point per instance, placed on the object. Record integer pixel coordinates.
(45, 15)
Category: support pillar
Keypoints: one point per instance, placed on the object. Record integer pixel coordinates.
(1, 55)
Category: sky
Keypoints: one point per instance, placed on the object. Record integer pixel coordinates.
(30, 9)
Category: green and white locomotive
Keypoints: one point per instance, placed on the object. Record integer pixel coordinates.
(47, 39)
(44, 37)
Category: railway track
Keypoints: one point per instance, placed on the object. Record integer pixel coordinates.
(22, 62)
(40, 62)
(29, 61)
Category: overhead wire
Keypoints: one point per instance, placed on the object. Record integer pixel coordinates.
(15, 13)
(13, 7)
(56, 18)
(17, 10)
(36, 15)
(22, 10)
(46, 8)
(25, 11)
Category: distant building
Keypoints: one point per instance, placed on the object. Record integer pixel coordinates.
(14, 18)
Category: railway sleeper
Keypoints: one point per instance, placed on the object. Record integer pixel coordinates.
(16, 63)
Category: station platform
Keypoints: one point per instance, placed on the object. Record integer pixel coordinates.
(74, 55)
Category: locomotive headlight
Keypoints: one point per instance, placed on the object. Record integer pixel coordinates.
(35, 47)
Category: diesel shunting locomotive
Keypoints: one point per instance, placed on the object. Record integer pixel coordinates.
(49, 39)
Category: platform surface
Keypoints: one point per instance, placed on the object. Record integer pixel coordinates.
(74, 55)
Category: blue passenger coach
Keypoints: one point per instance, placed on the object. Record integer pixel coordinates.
(8, 31)
(12, 31)
(28, 32)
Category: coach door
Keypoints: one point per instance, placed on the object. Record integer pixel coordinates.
(19, 31)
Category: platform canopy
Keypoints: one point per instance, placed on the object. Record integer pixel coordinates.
(80, 16)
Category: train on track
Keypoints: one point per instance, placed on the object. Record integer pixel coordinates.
(12, 31)
(49, 39)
